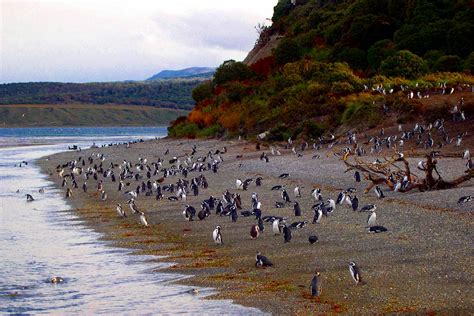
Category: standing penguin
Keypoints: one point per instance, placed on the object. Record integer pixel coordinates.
(371, 218)
(318, 214)
(68, 193)
(261, 227)
(120, 210)
(276, 228)
(287, 233)
(285, 196)
(297, 209)
(379, 192)
(233, 214)
(143, 220)
(355, 203)
(355, 272)
(315, 286)
(254, 232)
(217, 236)
(357, 176)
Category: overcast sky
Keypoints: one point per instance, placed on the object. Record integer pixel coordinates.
(114, 40)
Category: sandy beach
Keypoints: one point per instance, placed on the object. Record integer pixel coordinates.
(422, 264)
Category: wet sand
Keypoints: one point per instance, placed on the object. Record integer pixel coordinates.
(422, 264)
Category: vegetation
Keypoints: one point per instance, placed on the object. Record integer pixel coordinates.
(333, 54)
(173, 94)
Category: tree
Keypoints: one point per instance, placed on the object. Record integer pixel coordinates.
(202, 92)
(448, 63)
(379, 51)
(404, 64)
(469, 63)
(231, 70)
(288, 51)
(460, 39)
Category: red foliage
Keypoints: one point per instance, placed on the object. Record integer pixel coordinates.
(218, 90)
(264, 66)
(319, 41)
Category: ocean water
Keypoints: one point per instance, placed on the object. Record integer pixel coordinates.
(41, 239)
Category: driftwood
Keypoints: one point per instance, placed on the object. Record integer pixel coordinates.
(397, 169)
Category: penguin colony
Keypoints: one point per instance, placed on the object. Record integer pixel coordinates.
(182, 180)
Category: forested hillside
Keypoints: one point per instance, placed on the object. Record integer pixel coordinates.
(352, 64)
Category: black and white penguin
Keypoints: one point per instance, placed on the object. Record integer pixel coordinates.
(279, 204)
(315, 286)
(297, 209)
(84, 187)
(261, 227)
(355, 272)
(143, 220)
(341, 197)
(189, 212)
(371, 218)
(262, 261)
(277, 227)
(233, 214)
(465, 199)
(254, 231)
(284, 175)
(298, 225)
(297, 191)
(68, 193)
(120, 210)
(217, 235)
(312, 239)
(357, 176)
(379, 192)
(316, 194)
(285, 196)
(133, 206)
(258, 181)
(276, 188)
(287, 233)
(368, 208)
(29, 198)
(103, 195)
(355, 203)
(377, 229)
(318, 214)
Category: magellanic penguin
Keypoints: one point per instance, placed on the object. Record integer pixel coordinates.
(371, 218)
(276, 227)
(355, 203)
(465, 199)
(143, 220)
(217, 235)
(262, 261)
(287, 233)
(313, 239)
(357, 176)
(297, 209)
(68, 193)
(285, 196)
(318, 214)
(29, 198)
(103, 195)
(254, 232)
(315, 286)
(379, 192)
(355, 272)
(120, 210)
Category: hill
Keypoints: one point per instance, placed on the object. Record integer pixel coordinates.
(193, 72)
(165, 94)
(330, 66)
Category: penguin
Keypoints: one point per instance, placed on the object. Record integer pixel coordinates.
(276, 228)
(103, 195)
(84, 187)
(465, 199)
(276, 188)
(258, 181)
(379, 192)
(143, 220)
(284, 175)
(357, 176)
(261, 227)
(318, 214)
(233, 214)
(56, 280)
(189, 212)
(315, 286)
(287, 233)
(355, 203)
(316, 193)
(298, 225)
(377, 229)
(254, 232)
(279, 205)
(371, 218)
(341, 197)
(120, 210)
(355, 272)
(297, 209)
(68, 193)
(285, 196)
(29, 198)
(297, 191)
(262, 261)
(217, 236)
(368, 208)
(41, 190)
(312, 239)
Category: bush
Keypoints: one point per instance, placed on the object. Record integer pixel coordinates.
(380, 51)
(362, 114)
(404, 64)
(460, 39)
(342, 87)
(287, 51)
(281, 9)
(202, 92)
(450, 63)
(312, 129)
(211, 131)
(279, 133)
(469, 63)
(355, 57)
(184, 129)
(231, 70)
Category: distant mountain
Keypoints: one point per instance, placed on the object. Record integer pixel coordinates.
(193, 72)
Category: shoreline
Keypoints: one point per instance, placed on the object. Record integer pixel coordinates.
(284, 288)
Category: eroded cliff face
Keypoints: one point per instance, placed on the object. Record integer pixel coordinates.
(260, 52)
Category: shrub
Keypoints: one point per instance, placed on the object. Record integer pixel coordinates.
(231, 70)
(469, 63)
(460, 39)
(355, 57)
(405, 64)
(202, 92)
(184, 129)
(279, 133)
(312, 129)
(450, 63)
(287, 51)
(211, 131)
(380, 51)
(362, 114)
(342, 87)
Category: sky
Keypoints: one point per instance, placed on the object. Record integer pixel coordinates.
(115, 40)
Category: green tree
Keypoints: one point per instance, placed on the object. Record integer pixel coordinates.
(282, 8)
(460, 39)
(379, 51)
(202, 92)
(231, 70)
(469, 63)
(404, 64)
(288, 51)
(448, 63)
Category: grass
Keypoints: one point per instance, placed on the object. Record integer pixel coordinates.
(85, 115)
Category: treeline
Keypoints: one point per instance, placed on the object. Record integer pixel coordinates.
(167, 94)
